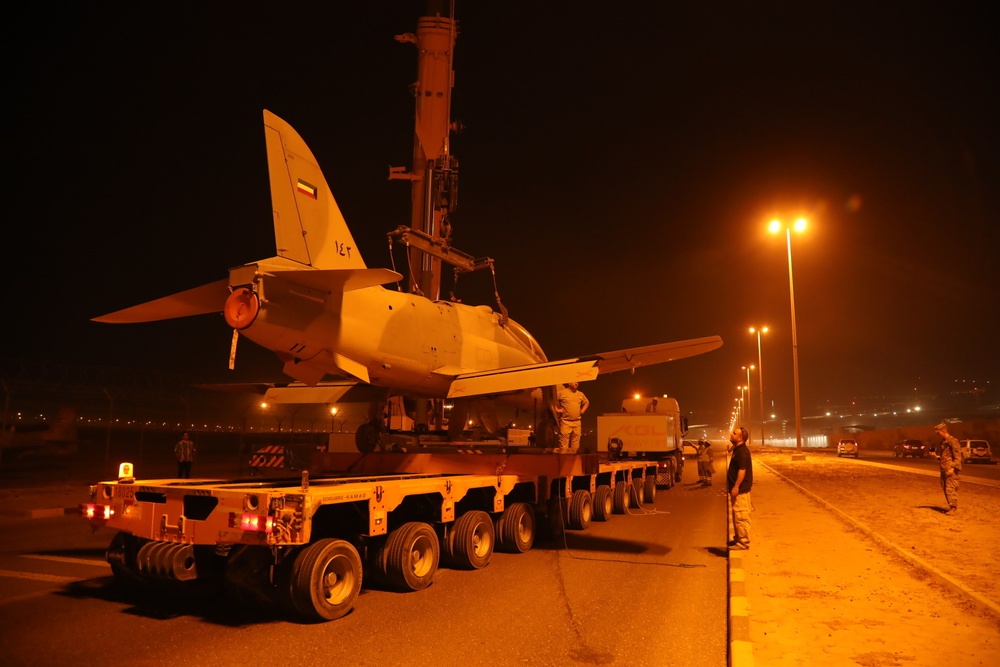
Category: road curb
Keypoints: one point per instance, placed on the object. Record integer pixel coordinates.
(929, 569)
(46, 512)
(740, 646)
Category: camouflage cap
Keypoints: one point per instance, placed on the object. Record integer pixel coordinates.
(941, 427)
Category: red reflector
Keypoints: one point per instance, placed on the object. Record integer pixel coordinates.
(257, 523)
(98, 511)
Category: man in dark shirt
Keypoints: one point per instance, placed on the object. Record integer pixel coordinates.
(739, 481)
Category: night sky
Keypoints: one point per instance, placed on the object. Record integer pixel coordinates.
(620, 162)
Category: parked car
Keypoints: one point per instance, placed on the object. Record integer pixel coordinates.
(976, 451)
(914, 448)
(847, 448)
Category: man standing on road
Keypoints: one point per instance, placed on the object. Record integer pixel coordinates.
(705, 468)
(184, 451)
(572, 405)
(949, 454)
(739, 480)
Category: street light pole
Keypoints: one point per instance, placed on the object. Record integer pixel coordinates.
(760, 378)
(800, 224)
(749, 402)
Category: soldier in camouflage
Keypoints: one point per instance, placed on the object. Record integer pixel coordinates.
(949, 455)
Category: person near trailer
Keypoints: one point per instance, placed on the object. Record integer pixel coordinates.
(949, 456)
(184, 452)
(740, 480)
(571, 405)
(705, 467)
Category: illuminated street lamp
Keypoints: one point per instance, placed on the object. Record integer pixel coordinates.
(760, 378)
(775, 227)
(333, 419)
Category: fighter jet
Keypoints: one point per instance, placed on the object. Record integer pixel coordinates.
(324, 312)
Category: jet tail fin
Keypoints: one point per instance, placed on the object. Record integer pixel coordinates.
(308, 225)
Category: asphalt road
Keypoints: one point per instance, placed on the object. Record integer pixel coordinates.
(649, 588)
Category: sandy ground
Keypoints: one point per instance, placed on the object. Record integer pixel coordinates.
(822, 592)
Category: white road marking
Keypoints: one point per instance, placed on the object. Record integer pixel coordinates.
(52, 578)
(67, 559)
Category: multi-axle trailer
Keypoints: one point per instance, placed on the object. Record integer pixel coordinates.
(306, 545)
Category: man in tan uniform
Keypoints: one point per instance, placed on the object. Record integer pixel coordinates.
(949, 454)
(571, 406)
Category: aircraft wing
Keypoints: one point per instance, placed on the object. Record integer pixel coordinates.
(634, 357)
(580, 369)
(198, 301)
(515, 378)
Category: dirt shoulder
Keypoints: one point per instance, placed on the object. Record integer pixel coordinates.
(821, 591)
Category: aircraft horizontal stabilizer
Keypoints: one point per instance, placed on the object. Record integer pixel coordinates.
(198, 301)
(619, 360)
(345, 391)
(340, 280)
(334, 391)
(515, 378)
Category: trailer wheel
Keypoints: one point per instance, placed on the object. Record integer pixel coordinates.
(603, 503)
(410, 556)
(367, 438)
(516, 528)
(622, 497)
(121, 556)
(581, 510)
(672, 475)
(650, 488)
(325, 580)
(639, 496)
(471, 540)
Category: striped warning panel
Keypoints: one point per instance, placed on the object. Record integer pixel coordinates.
(271, 456)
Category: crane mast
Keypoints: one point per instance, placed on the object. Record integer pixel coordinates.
(434, 174)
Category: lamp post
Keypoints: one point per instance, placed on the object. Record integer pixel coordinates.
(743, 414)
(800, 225)
(749, 368)
(333, 419)
(760, 378)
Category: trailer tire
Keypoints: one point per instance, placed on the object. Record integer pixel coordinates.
(325, 580)
(639, 496)
(410, 556)
(581, 510)
(603, 503)
(367, 438)
(121, 556)
(516, 528)
(650, 488)
(556, 518)
(622, 497)
(471, 540)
